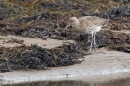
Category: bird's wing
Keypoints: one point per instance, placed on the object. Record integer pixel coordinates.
(91, 21)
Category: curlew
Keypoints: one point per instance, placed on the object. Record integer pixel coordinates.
(88, 24)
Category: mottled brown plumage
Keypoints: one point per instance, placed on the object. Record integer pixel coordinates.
(89, 25)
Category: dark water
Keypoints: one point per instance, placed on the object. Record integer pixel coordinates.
(124, 82)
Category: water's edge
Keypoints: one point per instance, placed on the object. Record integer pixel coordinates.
(111, 66)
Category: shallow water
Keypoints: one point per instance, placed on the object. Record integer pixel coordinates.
(124, 82)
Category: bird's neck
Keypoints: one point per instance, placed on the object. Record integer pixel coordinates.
(77, 24)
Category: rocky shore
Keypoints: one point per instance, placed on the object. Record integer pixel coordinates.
(46, 19)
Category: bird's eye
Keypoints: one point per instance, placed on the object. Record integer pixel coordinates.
(71, 21)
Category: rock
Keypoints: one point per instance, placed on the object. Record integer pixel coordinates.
(128, 38)
(127, 49)
(35, 57)
(121, 10)
(13, 40)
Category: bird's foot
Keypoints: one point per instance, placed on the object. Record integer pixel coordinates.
(95, 47)
(89, 53)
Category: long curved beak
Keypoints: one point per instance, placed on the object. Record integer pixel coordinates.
(64, 30)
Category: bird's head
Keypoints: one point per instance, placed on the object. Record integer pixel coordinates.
(73, 21)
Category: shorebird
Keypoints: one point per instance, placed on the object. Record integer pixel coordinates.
(88, 24)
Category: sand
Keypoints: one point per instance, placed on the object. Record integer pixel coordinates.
(102, 65)
(49, 43)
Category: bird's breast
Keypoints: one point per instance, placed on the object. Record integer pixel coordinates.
(92, 29)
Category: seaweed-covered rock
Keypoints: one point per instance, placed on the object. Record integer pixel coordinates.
(36, 57)
(30, 20)
(128, 38)
(127, 49)
(121, 10)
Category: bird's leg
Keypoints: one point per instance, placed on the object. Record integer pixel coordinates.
(95, 45)
(90, 50)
